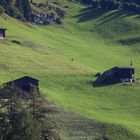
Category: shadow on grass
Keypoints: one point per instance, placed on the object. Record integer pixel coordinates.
(130, 41)
(115, 14)
(87, 14)
(101, 81)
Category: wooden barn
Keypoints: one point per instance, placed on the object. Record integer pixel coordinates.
(2, 33)
(24, 83)
(120, 74)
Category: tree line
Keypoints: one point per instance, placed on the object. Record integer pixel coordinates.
(129, 5)
(17, 8)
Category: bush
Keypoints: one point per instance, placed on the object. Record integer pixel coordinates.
(58, 21)
(60, 12)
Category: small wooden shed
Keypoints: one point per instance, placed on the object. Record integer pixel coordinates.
(2, 33)
(24, 83)
(121, 74)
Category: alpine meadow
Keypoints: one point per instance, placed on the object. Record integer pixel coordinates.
(66, 59)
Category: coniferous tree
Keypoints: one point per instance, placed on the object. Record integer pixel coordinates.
(19, 6)
(26, 9)
(2, 2)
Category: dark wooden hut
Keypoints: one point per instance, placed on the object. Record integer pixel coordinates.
(24, 83)
(2, 33)
(120, 74)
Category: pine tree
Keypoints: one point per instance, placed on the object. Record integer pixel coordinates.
(3, 3)
(19, 6)
(26, 9)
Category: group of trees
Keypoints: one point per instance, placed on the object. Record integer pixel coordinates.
(16, 121)
(17, 8)
(130, 5)
(21, 9)
(23, 115)
(24, 8)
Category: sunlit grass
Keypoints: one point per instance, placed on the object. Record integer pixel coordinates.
(46, 52)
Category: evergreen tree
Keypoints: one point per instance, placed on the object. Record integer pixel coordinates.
(19, 6)
(3, 2)
(26, 9)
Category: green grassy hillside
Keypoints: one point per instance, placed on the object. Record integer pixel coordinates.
(96, 41)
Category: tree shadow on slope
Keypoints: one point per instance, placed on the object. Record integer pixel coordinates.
(130, 41)
(104, 16)
(88, 14)
(115, 14)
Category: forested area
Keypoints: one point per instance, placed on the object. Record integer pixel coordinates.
(21, 9)
(39, 13)
(129, 5)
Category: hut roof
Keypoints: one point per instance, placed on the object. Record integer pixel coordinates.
(123, 67)
(120, 72)
(24, 80)
(3, 29)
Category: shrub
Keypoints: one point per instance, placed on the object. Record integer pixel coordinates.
(58, 21)
(60, 12)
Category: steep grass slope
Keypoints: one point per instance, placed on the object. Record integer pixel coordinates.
(95, 41)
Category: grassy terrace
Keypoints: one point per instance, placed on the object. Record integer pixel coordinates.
(96, 41)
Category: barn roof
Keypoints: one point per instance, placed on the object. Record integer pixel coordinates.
(124, 67)
(121, 68)
(2, 29)
(24, 80)
(124, 70)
